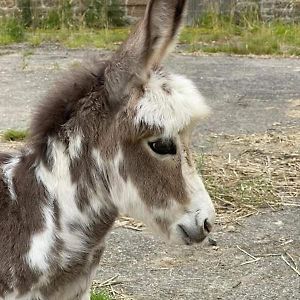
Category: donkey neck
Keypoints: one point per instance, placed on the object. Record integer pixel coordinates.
(75, 183)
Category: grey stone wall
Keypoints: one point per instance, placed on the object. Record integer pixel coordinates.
(78, 7)
(8, 7)
(286, 10)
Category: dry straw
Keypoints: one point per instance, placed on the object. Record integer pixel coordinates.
(248, 172)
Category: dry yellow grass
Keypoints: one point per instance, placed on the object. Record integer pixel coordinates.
(248, 172)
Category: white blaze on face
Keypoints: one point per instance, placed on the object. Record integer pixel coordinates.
(174, 104)
(174, 110)
(200, 199)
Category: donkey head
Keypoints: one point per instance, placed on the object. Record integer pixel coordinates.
(155, 179)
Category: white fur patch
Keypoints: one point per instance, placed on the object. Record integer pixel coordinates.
(200, 199)
(200, 207)
(42, 243)
(126, 197)
(75, 146)
(8, 171)
(59, 184)
(171, 111)
(124, 194)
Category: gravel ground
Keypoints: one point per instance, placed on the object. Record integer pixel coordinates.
(247, 95)
(152, 269)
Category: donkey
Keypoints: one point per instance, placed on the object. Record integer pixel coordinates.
(111, 138)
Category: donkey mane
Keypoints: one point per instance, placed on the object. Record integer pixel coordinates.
(77, 89)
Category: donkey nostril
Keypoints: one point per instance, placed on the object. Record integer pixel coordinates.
(207, 226)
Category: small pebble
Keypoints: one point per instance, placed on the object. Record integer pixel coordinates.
(231, 228)
(212, 242)
(279, 223)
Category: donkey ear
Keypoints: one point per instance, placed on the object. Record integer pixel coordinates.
(162, 21)
(145, 48)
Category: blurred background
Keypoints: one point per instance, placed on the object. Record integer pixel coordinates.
(230, 26)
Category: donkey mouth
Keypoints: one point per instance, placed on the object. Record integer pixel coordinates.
(191, 236)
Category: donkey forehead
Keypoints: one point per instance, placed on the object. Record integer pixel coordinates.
(170, 102)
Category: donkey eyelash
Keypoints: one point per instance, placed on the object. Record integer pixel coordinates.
(163, 146)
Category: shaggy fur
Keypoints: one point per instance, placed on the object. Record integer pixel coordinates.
(89, 157)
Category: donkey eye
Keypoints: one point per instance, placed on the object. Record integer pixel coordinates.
(163, 146)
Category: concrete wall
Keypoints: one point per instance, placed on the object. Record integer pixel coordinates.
(288, 10)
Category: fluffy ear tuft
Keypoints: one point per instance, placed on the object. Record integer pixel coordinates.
(145, 48)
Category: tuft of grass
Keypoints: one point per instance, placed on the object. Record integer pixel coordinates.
(11, 31)
(99, 296)
(27, 53)
(15, 135)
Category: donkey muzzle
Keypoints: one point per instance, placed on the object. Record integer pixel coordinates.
(196, 231)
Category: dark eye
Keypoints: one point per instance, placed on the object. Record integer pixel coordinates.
(163, 146)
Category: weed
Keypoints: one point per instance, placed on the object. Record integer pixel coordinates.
(28, 53)
(26, 13)
(56, 66)
(11, 31)
(115, 14)
(24, 63)
(15, 135)
(52, 20)
(99, 14)
(100, 296)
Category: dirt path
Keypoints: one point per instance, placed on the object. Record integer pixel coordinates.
(151, 269)
(248, 96)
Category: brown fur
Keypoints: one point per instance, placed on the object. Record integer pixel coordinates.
(98, 104)
(135, 156)
(83, 264)
(22, 219)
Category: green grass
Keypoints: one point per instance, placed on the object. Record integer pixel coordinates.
(11, 31)
(213, 34)
(101, 38)
(14, 135)
(258, 38)
(100, 296)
